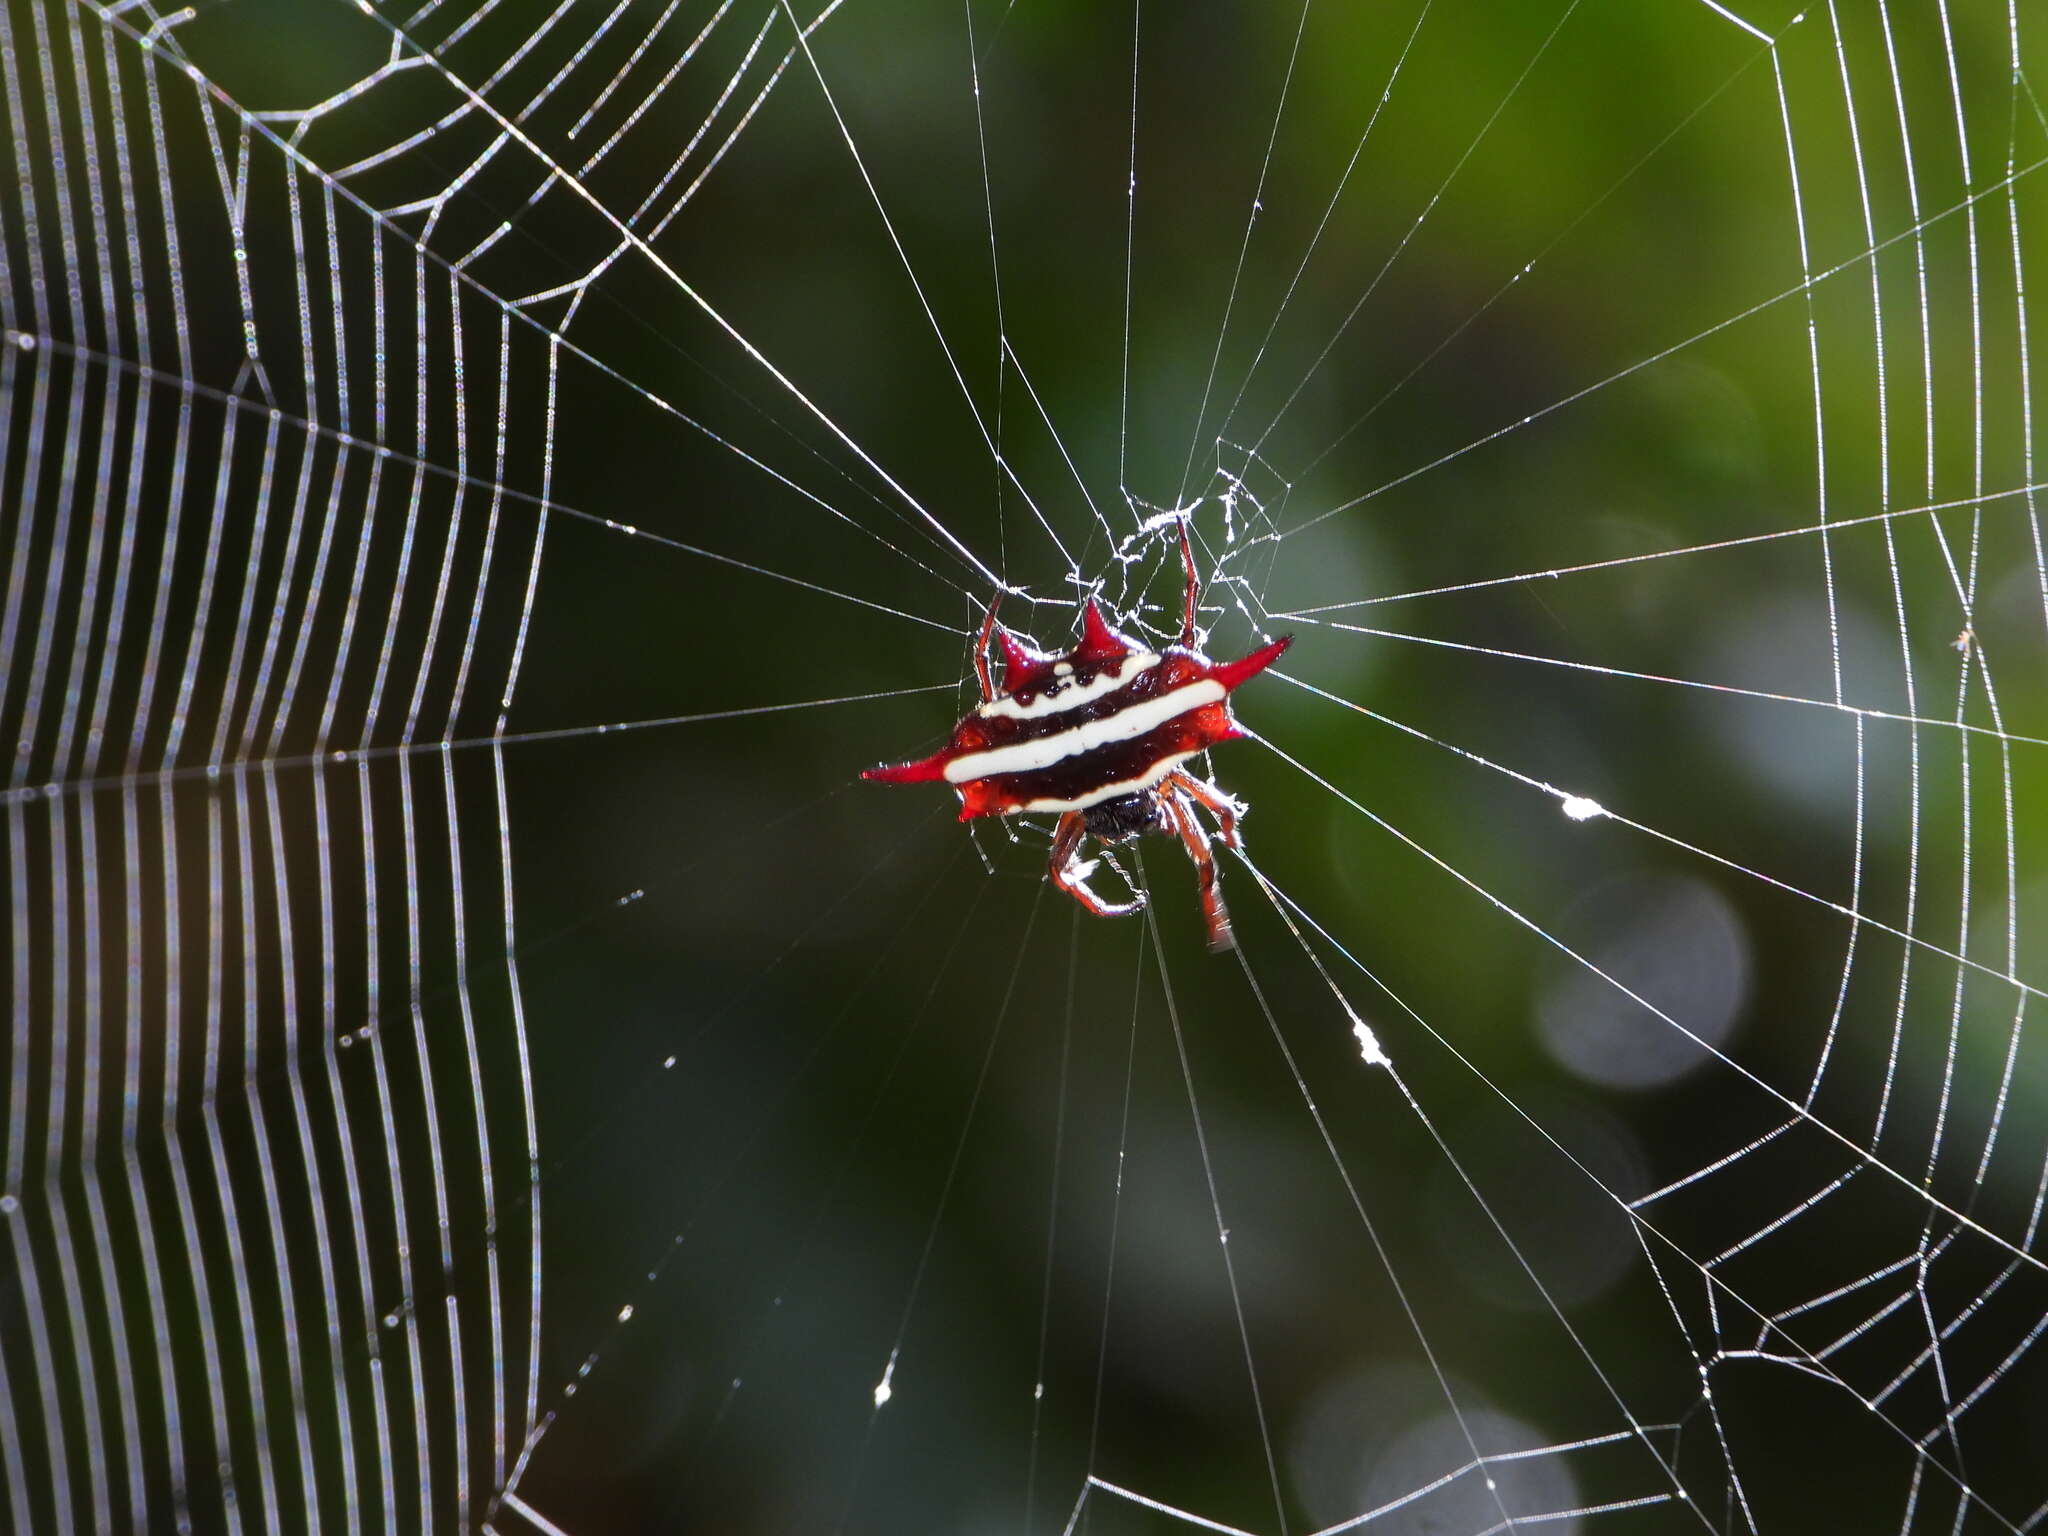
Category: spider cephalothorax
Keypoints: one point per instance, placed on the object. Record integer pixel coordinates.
(1098, 736)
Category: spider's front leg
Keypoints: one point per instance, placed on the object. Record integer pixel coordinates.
(1070, 873)
(988, 628)
(1191, 595)
(1213, 800)
(1180, 815)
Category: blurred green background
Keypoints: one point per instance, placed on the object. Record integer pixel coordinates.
(830, 1090)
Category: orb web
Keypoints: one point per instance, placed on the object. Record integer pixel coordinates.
(480, 480)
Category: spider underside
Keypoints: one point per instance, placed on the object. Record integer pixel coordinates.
(1169, 807)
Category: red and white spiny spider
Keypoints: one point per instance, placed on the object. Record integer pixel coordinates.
(1098, 736)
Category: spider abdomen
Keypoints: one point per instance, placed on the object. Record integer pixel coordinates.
(1117, 731)
(1098, 774)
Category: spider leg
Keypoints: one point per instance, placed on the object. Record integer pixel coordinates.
(988, 629)
(1191, 602)
(1180, 811)
(1211, 799)
(1070, 872)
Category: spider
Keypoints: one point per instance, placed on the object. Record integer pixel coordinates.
(1099, 735)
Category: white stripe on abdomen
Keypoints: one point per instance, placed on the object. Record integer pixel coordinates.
(1145, 780)
(1073, 695)
(1125, 725)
